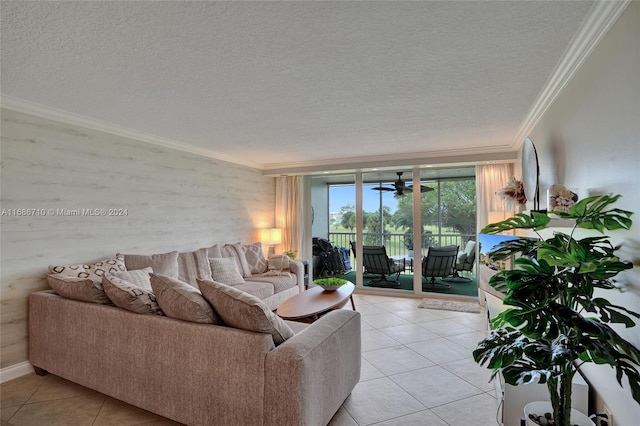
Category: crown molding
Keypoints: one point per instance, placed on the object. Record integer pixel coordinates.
(595, 26)
(42, 111)
(448, 157)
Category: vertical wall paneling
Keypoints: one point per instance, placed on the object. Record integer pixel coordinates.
(173, 201)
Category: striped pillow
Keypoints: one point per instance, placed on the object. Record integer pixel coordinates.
(194, 265)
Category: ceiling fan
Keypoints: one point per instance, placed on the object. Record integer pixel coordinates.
(400, 188)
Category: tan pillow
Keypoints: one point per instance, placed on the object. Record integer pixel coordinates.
(237, 253)
(244, 311)
(93, 272)
(180, 300)
(82, 289)
(225, 270)
(127, 296)
(165, 264)
(279, 262)
(139, 277)
(194, 265)
(255, 257)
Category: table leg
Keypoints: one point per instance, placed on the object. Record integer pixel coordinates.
(353, 305)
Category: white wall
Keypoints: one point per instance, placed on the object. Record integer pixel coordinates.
(174, 201)
(590, 139)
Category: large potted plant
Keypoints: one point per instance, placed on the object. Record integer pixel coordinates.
(553, 323)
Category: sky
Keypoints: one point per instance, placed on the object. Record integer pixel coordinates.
(344, 195)
(489, 241)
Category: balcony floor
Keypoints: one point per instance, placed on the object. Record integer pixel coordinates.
(457, 287)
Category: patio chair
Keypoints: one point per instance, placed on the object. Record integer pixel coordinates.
(464, 262)
(376, 262)
(439, 262)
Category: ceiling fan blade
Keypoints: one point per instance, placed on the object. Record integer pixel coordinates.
(422, 188)
(383, 188)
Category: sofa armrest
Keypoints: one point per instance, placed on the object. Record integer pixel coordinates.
(314, 371)
(296, 267)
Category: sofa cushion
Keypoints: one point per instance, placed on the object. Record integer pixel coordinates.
(180, 300)
(139, 277)
(281, 282)
(165, 263)
(130, 297)
(279, 263)
(255, 257)
(214, 252)
(469, 249)
(225, 270)
(193, 265)
(82, 289)
(242, 310)
(261, 290)
(237, 253)
(94, 272)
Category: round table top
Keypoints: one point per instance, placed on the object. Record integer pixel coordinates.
(315, 301)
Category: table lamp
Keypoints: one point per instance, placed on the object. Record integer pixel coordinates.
(271, 237)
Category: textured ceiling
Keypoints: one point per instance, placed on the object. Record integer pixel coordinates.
(272, 84)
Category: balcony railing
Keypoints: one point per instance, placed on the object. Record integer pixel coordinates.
(395, 243)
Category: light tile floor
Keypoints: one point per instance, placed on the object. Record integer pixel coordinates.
(417, 369)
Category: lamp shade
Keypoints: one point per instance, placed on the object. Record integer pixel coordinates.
(271, 236)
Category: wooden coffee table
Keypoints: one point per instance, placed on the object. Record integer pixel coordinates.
(316, 301)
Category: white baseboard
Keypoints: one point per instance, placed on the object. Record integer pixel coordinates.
(15, 371)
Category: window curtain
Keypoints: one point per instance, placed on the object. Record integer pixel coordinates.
(490, 179)
(288, 207)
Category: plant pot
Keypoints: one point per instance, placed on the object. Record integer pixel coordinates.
(329, 287)
(541, 407)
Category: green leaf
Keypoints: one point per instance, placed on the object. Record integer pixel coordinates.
(519, 221)
(509, 248)
(590, 213)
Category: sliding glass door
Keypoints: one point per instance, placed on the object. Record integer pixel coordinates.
(386, 215)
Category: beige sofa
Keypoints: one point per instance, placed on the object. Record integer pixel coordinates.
(194, 373)
(198, 374)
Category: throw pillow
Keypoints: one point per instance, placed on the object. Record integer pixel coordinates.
(180, 300)
(237, 253)
(194, 265)
(225, 270)
(139, 277)
(82, 289)
(127, 296)
(93, 272)
(255, 258)
(165, 264)
(244, 311)
(279, 262)
(214, 252)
